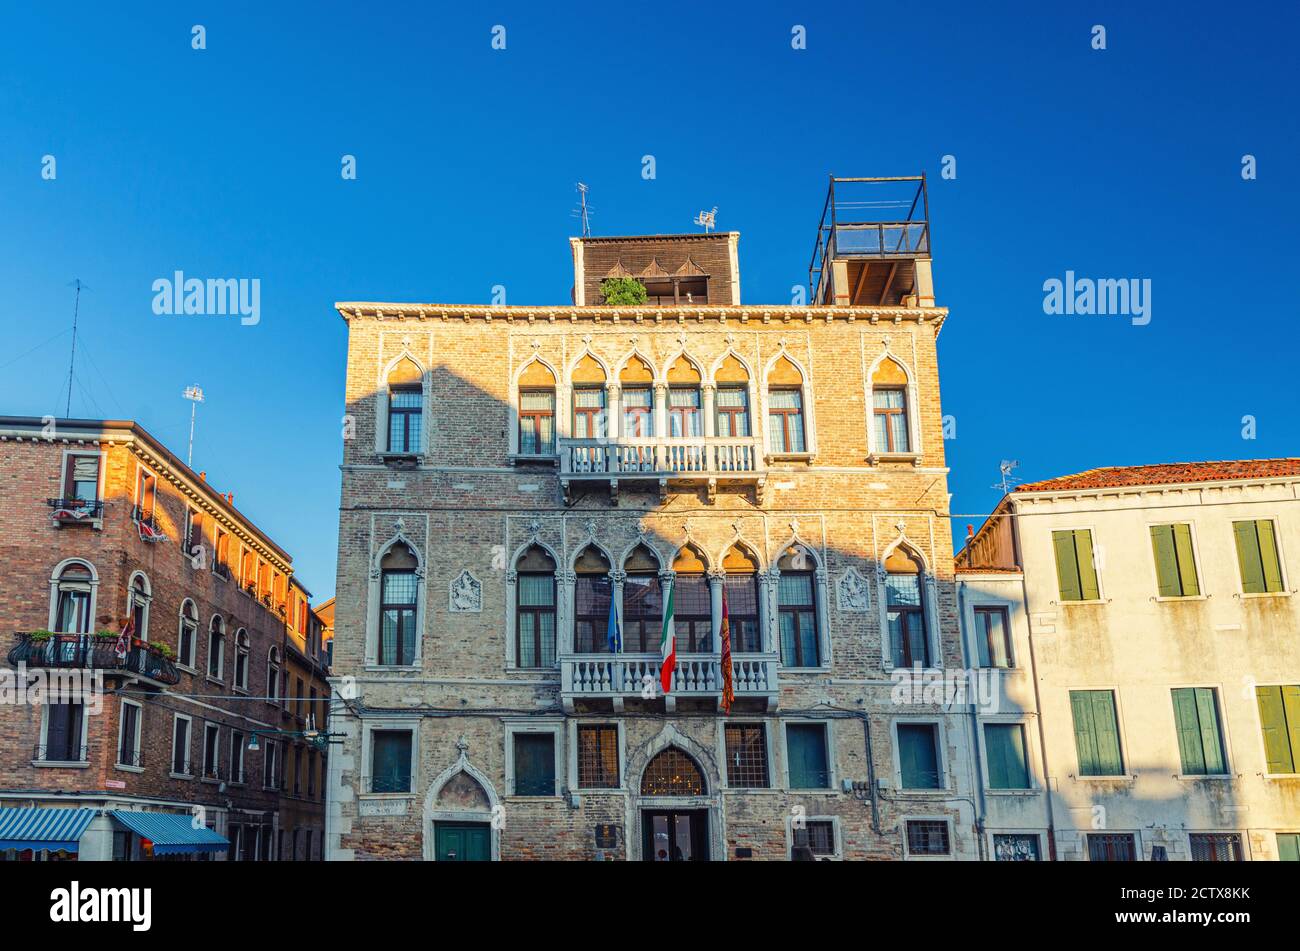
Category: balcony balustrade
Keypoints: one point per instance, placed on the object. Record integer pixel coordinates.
(665, 459)
(620, 677)
(89, 652)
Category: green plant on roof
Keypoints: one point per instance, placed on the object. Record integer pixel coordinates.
(622, 291)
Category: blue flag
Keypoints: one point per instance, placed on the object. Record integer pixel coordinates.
(614, 636)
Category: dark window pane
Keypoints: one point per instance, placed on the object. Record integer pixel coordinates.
(534, 764)
(390, 761)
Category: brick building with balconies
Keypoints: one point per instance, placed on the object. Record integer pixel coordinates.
(529, 491)
(126, 567)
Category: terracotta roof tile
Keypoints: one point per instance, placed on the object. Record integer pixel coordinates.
(1171, 473)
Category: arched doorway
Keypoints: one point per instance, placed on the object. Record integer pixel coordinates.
(676, 827)
(459, 813)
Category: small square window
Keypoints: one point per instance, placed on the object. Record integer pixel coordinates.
(390, 761)
(928, 837)
(534, 764)
(746, 755)
(818, 835)
(598, 757)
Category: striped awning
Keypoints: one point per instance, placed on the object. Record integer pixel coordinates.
(171, 834)
(43, 828)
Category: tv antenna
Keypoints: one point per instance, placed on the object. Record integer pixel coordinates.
(76, 308)
(1005, 467)
(582, 211)
(707, 219)
(195, 395)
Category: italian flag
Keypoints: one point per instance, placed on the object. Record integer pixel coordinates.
(668, 644)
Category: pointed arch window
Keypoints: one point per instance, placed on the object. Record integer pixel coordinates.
(592, 594)
(785, 408)
(890, 409)
(72, 600)
(684, 402)
(672, 773)
(397, 607)
(643, 602)
(731, 402)
(909, 641)
(536, 411)
(405, 408)
(796, 597)
(692, 604)
(638, 398)
(588, 399)
(216, 647)
(742, 601)
(535, 609)
(241, 659)
(138, 606)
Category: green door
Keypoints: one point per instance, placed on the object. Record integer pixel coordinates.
(463, 841)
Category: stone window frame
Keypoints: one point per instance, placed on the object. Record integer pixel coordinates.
(187, 664)
(270, 758)
(374, 594)
(381, 400)
(1032, 764)
(243, 648)
(97, 523)
(558, 406)
(371, 725)
(57, 584)
(220, 677)
(821, 599)
(1014, 607)
(146, 597)
(573, 724)
(947, 775)
(769, 743)
(85, 741)
(950, 856)
(832, 782)
(911, 403)
(809, 452)
(273, 663)
(555, 726)
(564, 594)
(929, 600)
(121, 729)
(189, 743)
(837, 836)
(240, 779)
(216, 752)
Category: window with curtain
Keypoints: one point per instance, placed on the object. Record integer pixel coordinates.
(398, 587)
(918, 755)
(891, 419)
(591, 599)
(536, 422)
(809, 760)
(905, 611)
(785, 419)
(140, 608)
(588, 412)
(684, 411)
(796, 599)
(993, 636)
(72, 604)
(390, 761)
(692, 604)
(643, 603)
(638, 411)
(81, 478)
(732, 405)
(535, 609)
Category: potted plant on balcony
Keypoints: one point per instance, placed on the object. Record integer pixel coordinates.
(40, 637)
(623, 291)
(161, 650)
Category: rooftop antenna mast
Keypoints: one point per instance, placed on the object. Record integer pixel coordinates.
(195, 395)
(707, 219)
(76, 309)
(1005, 467)
(582, 211)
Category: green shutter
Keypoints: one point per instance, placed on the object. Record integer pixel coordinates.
(1104, 721)
(1272, 720)
(1207, 712)
(1087, 568)
(1067, 566)
(1085, 737)
(1162, 543)
(1190, 748)
(917, 757)
(1268, 556)
(1005, 747)
(1288, 846)
(1252, 569)
(1291, 706)
(1186, 561)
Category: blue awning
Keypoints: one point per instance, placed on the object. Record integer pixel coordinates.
(171, 834)
(43, 828)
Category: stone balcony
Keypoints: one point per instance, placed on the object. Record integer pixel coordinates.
(618, 678)
(707, 461)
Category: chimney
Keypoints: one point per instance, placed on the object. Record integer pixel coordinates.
(970, 531)
(203, 477)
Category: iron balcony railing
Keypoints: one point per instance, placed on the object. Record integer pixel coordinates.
(135, 758)
(72, 511)
(90, 652)
(52, 753)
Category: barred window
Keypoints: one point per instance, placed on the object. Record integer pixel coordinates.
(817, 835)
(1216, 847)
(1111, 847)
(746, 756)
(672, 773)
(928, 837)
(598, 757)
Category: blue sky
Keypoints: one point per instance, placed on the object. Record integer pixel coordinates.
(1122, 163)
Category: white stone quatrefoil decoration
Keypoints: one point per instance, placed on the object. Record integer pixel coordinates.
(852, 592)
(466, 594)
